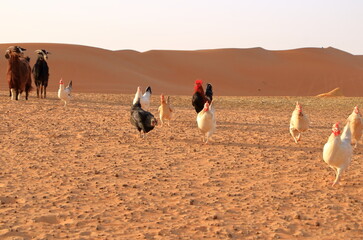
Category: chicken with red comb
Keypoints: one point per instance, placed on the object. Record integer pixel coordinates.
(64, 93)
(206, 121)
(200, 97)
(338, 151)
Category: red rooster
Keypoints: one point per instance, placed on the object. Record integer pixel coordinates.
(199, 97)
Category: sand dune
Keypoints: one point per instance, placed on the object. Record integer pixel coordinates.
(82, 172)
(233, 72)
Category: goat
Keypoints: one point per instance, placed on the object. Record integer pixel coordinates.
(18, 73)
(41, 73)
(17, 50)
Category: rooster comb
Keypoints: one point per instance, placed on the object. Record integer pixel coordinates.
(298, 106)
(336, 129)
(198, 82)
(336, 126)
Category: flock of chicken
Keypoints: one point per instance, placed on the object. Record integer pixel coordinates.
(338, 151)
(144, 121)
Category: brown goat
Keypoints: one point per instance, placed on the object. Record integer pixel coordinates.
(18, 75)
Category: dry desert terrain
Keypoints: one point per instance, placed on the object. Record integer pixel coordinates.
(82, 172)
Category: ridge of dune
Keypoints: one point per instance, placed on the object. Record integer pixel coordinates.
(233, 72)
(336, 92)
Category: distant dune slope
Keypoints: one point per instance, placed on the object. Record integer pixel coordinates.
(249, 72)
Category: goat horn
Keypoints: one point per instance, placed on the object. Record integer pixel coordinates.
(18, 48)
(41, 51)
(11, 48)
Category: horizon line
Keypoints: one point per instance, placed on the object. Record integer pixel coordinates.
(183, 50)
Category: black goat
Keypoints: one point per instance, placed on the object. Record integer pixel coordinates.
(41, 73)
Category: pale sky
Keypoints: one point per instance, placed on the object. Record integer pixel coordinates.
(144, 25)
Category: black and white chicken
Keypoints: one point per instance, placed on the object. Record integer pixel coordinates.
(145, 99)
(143, 121)
(199, 97)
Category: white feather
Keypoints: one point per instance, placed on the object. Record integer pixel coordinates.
(144, 99)
(137, 95)
(206, 122)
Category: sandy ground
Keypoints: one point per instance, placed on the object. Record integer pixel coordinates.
(82, 172)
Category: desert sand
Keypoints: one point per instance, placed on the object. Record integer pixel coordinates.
(233, 72)
(82, 172)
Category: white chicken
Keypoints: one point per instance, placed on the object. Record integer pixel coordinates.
(206, 121)
(145, 99)
(64, 93)
(165, 110)
(138, 95)
(338, 151)
(356, 125)
(299, 123)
